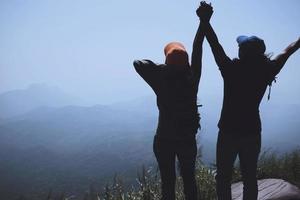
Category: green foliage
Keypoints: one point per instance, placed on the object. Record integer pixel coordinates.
(286, 166)
(270, 165)
(149, 186)
(205, 178)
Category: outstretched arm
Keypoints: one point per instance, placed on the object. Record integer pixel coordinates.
(281, 59)
(196, 63)
(204, 12)
(219, 54)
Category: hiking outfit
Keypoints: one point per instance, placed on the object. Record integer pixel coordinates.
(240, 126)
(245, 82)
(178, 124)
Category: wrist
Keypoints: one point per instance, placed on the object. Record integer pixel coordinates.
(204, 22)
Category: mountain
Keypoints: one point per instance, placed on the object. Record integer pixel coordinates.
(67, 148)
(16, 102)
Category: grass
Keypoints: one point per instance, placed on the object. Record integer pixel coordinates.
(286, 166)
(270, 165)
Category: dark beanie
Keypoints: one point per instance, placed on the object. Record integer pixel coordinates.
(251, 45)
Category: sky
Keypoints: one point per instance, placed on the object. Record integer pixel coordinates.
(86, 47)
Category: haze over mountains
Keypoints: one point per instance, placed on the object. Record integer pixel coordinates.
(47, 140)
(16, 102)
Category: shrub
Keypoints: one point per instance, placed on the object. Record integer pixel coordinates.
(270, 165)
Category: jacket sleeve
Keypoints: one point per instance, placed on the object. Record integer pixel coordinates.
(222, 60)
(149, 71)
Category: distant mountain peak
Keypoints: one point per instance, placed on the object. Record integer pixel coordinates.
(43, 86)
(18, 102)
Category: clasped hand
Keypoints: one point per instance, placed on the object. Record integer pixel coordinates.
(205, 11)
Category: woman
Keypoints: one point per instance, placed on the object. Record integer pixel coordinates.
(175, 84)
(245, 81)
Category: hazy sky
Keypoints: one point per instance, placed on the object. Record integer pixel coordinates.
(87, 47)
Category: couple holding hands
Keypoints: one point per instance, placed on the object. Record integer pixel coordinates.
(175, 84)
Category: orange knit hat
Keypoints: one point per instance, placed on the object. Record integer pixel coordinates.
(176, 54)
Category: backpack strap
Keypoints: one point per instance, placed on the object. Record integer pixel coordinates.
(270, 87)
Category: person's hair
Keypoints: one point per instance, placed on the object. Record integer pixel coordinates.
(263, 58)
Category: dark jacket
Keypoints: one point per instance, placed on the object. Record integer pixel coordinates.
(245, 83)
(176, 98)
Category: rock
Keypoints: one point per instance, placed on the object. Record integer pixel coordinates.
(269, 189)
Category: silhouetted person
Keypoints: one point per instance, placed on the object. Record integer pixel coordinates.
(245, 81)
(175, 84)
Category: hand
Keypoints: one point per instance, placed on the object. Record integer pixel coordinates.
(293, 46)
(298, 43)
(205, 11)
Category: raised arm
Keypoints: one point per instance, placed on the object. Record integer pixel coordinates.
(281, 59)
(221, 58)
(196, 63)
(219, 54)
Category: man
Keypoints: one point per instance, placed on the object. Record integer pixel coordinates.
(245, 82)
(175, 84)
